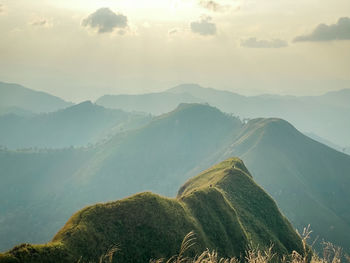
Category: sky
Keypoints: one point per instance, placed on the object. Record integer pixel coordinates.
(83, 49)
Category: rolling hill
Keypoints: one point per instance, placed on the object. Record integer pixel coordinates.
(309, 181)
(327, 115)
(77, 125)
(16, 96)
(223, 206)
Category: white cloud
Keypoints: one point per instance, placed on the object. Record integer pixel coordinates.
(214, 6)
(203, 26)
(105, 21)
(323, 32)
(253, 42)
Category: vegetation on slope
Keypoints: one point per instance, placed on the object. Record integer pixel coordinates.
(308, 180)
(218, 205)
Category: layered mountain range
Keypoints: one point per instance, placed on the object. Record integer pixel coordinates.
(41, 189)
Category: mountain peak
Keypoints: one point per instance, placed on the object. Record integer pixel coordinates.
(190, 88)
(214, 175)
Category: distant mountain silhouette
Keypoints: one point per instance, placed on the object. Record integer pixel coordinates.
(327, 116)
(14, 95)
(77, 125)
(154, 103)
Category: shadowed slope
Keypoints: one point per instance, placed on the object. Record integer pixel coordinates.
(223, 205)
(309, 181)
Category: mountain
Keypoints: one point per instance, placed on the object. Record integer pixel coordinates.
(15, 111)
(41, 189)
(77, 125)
(327, 116)
(224, 207)
(14, 95)
(154, 103)
(309, 181)
(328, 143)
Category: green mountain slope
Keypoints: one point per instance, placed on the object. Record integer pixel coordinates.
(308, 180)
(77, 125)
(60, 182)
(222, 205)
(17, 96)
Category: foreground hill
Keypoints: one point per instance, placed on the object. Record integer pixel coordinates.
(222, 205)
(77, 125)
(14, 96)
(40, 190)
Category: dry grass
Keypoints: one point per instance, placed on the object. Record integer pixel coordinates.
(331, 254)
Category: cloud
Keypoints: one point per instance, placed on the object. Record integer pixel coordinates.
(255, 43)
(105, 21)
(213, 6)
(323, 32)
(204, 26)
(40, 22)
(173, 31)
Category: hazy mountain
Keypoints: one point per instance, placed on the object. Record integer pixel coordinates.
(40, 190)
(328, 143)
(14, 95)
(16, 111)
(77, 125)
(154, 103)
(327, 115)
(223, 206)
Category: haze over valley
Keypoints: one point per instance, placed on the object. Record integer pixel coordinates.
(178, 131)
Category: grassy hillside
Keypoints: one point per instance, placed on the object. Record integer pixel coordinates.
(223, 206)
(308, 180)
(17, 96)
(57, 183)
(77, 125)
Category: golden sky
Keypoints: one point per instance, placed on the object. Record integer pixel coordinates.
(82, 49)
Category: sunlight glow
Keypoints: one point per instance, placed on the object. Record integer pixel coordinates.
(166, 10)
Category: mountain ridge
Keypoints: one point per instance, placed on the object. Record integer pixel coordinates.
(217, 213)
(196, 136)
(15, 95)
